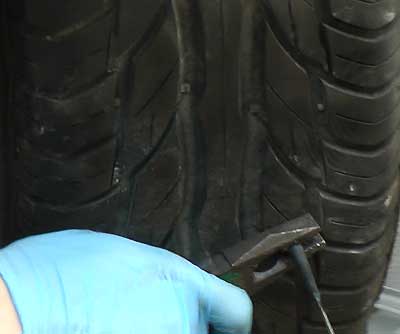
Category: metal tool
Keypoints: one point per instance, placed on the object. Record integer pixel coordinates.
(300, 258)
(254, 263)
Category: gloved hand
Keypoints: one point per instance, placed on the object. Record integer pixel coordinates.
(85, 282)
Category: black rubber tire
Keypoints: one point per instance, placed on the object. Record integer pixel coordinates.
(73, 66)
(324, 82)
(99, 136)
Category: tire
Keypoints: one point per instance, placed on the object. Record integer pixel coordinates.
(125, 117)
(322, 78)
(74, 65)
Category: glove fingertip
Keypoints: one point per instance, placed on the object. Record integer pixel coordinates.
(230, 308)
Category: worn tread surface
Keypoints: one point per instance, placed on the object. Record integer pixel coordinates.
(101, 139)
(76, 144)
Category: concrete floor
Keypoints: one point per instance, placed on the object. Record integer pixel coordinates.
(384, 322)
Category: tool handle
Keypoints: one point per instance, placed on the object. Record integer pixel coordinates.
(300, 258)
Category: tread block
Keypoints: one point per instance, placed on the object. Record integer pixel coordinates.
(373, 50)
(71, 140)
(86, 164)
(366, 15)
(270, 216)
(157, 194)
(72, 110)
(357, 264)
(148, 125)
(153, 65)
(272, 295)
(291, 83)
(358, 221)
(366, 75)
(62, 64)
(362, 163)
(71, 78)
(280, 10)
(362, 133)
(102, 214)
(359, 186)
(280, 183)
(369, 108)
(162, 107)
(292, 136)
(66, 126)
(349, 304)
(361, 173)
(50, 16)
(58, 191)
(287, 78)
(134, 18)
(67, 49)
(306, 25)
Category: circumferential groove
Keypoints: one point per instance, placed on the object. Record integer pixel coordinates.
(186, 240)
(252, 97)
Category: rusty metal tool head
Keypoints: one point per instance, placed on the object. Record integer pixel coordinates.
(251, 264)
(254, 263)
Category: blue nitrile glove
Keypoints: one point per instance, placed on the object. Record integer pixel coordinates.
(84, 282)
